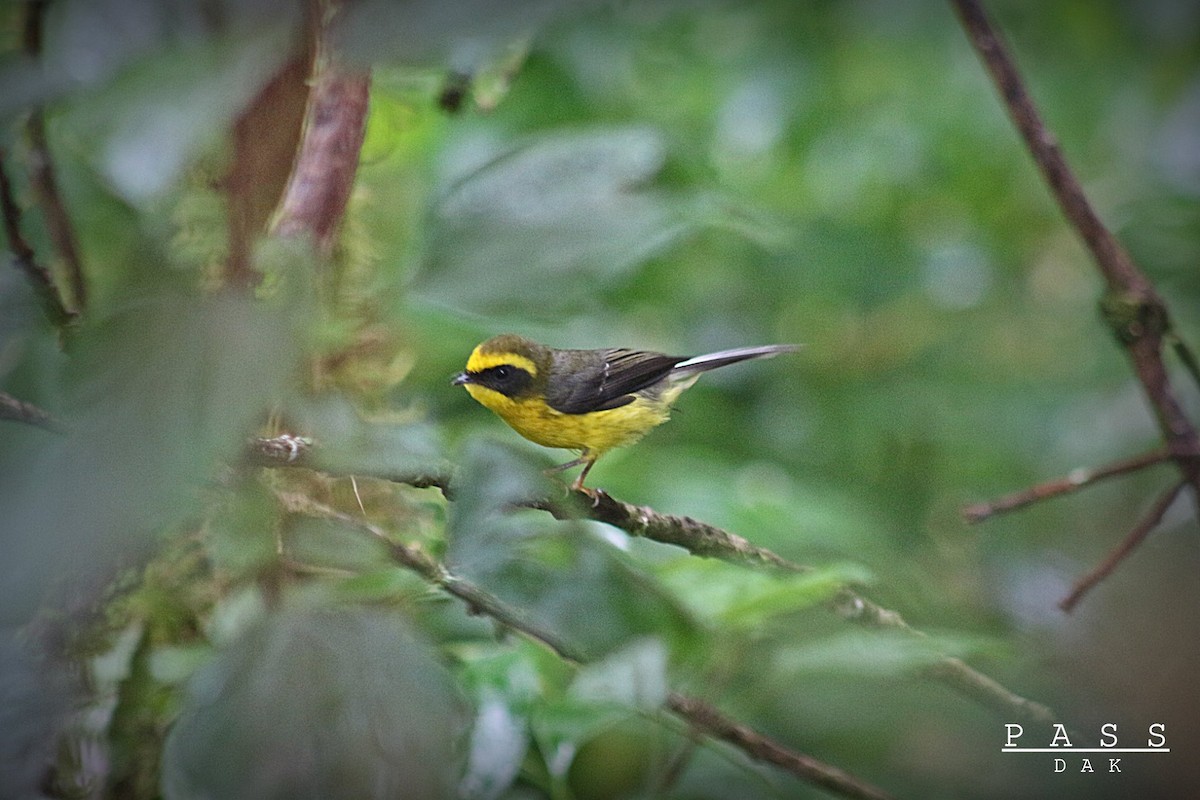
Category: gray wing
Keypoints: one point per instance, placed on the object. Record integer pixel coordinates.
(605, 379)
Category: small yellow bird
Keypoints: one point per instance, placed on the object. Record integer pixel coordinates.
(586, 400)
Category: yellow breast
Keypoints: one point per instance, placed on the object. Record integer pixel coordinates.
(595, 432)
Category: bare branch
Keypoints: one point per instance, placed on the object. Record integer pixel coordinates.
(1186, 356)
(26, 259)
(1075, 479)
(43, 176)
(712, 722)
(988, 692)
(947, 670)
(1118, 554)
(19, 411)
(1132, 307)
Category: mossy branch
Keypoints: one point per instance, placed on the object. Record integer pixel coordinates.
(701, 539)
(698, 714)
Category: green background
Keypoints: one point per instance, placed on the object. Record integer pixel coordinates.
(681, 177)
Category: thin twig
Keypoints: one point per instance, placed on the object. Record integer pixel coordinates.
(697, 713)
(1075, 479)
(1119, 553)
(43, 176)
(26, 260)
(19, 411)
(1132, 307)
(1185, 354)
(709, 541)
(947, 670)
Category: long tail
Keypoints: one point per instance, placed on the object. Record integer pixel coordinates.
(694, 366)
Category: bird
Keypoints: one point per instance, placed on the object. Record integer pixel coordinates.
(589, 401)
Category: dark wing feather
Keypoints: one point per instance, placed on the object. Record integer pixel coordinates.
(603, 379)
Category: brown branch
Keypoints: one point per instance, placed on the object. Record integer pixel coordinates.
(19, 411)
(698, 538)
(1132, 307)
(698, 714)
(1186, 356)
(43, 176)
(335, 122)
(709, 541)
(947, 670)
(26, 259)
(265, 137)
(988, 692)
(708, 720)
(1075, 479)
(1118, 554)
(436, 573)
(44, 180)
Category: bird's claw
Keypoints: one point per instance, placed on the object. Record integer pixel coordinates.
(596, 496)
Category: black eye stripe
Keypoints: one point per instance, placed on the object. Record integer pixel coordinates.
(503, 371)
(507, 379)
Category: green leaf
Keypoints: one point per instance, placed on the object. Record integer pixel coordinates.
(241, 534)
(174, 664)
(152, 118)
(333, 544)
(735, 597)
(536, 229)
(462, 33)
(384, 583)
(349, 443)
(561, 725)
(872, 653)
(154, 400)
(318, 704)
(499, 740)
(37, 696)
(564, 578)
(634, 676)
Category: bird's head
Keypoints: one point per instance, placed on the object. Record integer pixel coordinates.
(507, 365)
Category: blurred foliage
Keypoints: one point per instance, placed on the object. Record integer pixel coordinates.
(683, 176)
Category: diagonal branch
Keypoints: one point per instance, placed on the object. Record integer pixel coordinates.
(43, 176)
(1131, 307)
(1072, 481)
(707, 719)
(1118, 554)
(19, 411)
(697, 713)
(698, 538)
(26, 260)
(702, 539)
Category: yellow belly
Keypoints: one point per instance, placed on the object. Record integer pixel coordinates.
(594, 432)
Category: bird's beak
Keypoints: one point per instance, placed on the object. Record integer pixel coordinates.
(461, 379)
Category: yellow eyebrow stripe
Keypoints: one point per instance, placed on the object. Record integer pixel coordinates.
(479, 361)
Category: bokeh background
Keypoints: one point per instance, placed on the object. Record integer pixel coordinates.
(684, 177)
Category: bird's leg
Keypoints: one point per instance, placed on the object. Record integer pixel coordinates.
(575, 462)
(587, 460)
(587, 465)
